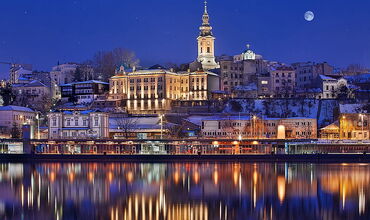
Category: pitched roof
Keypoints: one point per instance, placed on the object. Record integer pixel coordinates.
(15, 108)
(86, 82)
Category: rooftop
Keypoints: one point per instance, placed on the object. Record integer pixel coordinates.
(15, 108)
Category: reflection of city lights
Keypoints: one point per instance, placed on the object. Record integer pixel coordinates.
(255, 177)
(52, 176)
(71, 176)
(344, 191)
(91, 176)
(196, 177)
(361, 201)
(176, 177)
(215, 177)
(110, 176)
(130, 176)
(281, 188)
(236, 177)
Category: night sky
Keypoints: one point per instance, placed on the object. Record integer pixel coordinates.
(43, 32)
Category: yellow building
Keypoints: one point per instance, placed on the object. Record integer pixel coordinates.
(354, 126)
(151, 91)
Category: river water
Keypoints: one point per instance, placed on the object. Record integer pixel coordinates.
(184, 191)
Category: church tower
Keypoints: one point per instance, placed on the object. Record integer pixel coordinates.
(206, 43)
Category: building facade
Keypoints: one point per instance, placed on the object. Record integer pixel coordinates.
(151, 91)
(11, 116)
(330, 86)
(83, 92)
(78, 125)
(17, 71)
(246, 127)
(354, 126)
(307, 72)
(241, 69)
(34, 91)
(283, 81)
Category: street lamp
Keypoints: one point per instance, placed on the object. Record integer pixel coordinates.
(343, 126)
(38, 125)
(161, 117)
(254, 127)
(362, 125)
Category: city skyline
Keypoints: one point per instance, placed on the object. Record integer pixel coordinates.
(175, 39)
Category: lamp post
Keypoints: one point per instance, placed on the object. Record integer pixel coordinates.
(161, 116)
(362, 125)
(254, 127)
(240, 127)
(38, 125)
(344, 121)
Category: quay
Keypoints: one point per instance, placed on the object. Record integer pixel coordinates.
(185, 150)
(253, 158)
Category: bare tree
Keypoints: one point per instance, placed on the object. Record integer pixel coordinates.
(174, 130)
(106, 62)
(126, 125)
(355, 69)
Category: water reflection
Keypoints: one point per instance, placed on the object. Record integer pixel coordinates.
(184, 191)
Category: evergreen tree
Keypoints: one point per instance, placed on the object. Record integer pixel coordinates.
(15, 132)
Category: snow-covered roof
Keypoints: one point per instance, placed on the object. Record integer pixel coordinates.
(333, 126)
(139, 123)
(323, 77)
(15, 108)
(250, 87)
(86, 82)
(362, 78)
(350, 108)
(35, 83)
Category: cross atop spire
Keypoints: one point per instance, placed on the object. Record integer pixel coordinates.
(206, 28)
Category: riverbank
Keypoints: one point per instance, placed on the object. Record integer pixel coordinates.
(297, 158)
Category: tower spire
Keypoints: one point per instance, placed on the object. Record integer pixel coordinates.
(205, 7)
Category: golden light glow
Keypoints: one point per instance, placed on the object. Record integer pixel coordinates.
(236, 177)
(52, 176)
(196, 177)
(176, 177)
(281, 188)
(255, 177)
(110, 176)
(130, 176)
(215, 177)
(71, 176)
(91, 176)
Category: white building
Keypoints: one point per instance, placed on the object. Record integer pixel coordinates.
(331, 86)
(245, 127)
(14, 115)
(34, 91)
(206, 44)
(18, 71)
(78, 125)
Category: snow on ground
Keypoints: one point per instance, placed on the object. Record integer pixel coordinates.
(286, 108)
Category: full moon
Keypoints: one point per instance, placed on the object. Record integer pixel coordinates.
(309, 16)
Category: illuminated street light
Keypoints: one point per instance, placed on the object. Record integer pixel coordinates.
(161, 117)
